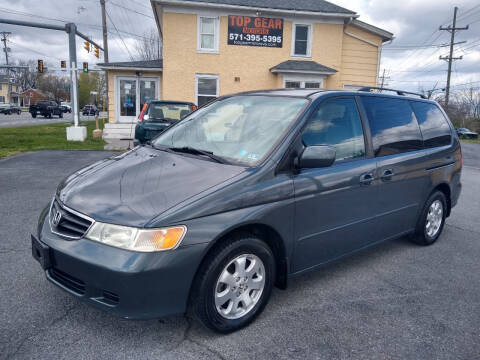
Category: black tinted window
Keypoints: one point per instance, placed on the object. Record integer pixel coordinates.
(434, 126)
(337, 123)
(393, 125)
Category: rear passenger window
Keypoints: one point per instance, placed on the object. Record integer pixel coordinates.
(337, 123)
(393, 125)
(433, 124)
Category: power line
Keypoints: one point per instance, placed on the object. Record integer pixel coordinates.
(131, 10)
(121, 38)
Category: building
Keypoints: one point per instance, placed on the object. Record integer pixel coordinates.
(217, 47)
(31, 96)
(9, 98)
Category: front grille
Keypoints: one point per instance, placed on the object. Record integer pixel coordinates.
(70, 282)
(110, 298)
(66, 222)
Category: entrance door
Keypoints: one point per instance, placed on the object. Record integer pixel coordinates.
(133, 93)
(127, 104)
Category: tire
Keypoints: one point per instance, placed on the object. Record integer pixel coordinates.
(224, 262)
(430, 223)
(49, 115)
(34, 115)
(60, 115)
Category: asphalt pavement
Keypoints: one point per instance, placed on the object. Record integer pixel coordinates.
(25, 119)
(394, 301)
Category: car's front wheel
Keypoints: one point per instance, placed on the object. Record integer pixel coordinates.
(234, 284)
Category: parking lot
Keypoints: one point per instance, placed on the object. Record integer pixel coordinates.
(394, 301)
(25, 119)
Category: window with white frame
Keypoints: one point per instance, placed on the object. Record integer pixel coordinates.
(302, 82)
(208, 28)
(206, 88)
(302, 40)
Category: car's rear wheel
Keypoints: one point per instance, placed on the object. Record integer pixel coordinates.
(432, 220)
(234, 284)
(60, 115)
(34, 115)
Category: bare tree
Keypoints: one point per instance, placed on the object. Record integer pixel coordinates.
(55, 87)
(149, 47)
(471, 98)
(27, 77)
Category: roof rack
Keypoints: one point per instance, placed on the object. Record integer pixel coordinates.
(399, 92)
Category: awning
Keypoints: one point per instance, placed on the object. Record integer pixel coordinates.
(302, 67)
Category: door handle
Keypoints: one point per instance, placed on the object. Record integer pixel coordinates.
(387, 175)
(366, 179)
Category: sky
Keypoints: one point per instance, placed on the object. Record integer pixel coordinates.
(410, 61)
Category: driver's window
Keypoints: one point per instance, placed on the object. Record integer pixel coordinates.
(337, 123)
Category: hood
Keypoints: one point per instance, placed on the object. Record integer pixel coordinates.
(137, 186)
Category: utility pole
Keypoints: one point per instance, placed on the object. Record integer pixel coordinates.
(452, 29)
(105, 48)
(5, 48)
(383, 79)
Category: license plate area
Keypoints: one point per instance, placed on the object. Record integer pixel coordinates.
(41, 253)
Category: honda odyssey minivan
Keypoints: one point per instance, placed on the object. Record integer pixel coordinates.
(245, 194)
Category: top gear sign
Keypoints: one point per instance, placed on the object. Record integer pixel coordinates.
(255, 31)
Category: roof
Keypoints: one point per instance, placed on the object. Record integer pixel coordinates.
(315, 93)
(4, 79)
(386, 35)
(302, 66)
(310, 6)
(156, 65)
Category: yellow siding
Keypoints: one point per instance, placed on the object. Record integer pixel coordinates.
(359, 58)
(181, 61)
(4, 91)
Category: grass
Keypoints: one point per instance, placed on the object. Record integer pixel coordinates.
(472, 141)
(46, 137)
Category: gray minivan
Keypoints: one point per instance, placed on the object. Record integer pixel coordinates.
(246, 193)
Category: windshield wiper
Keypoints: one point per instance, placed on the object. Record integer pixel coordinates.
(190, 150)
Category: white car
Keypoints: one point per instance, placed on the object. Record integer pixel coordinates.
(66, 107)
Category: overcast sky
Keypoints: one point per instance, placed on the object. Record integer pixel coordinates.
(414, 23)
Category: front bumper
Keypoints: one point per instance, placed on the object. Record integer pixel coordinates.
(128, 284)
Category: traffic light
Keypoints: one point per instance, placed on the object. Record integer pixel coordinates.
(86, 46)
(96, 52)
(63, 64)
(40, 66)
(85, 67)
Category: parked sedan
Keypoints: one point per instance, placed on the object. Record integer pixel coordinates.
(464, 133)
(89, 110)
(156, 116)
(9, 109)
(66, 107)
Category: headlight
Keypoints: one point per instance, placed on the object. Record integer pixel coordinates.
(137, 239)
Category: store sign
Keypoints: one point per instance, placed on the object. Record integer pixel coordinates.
(255, 31)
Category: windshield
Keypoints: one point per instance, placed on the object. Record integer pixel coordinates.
(159, 111)
(241, 128)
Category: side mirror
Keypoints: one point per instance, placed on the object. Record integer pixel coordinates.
(317, 156)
